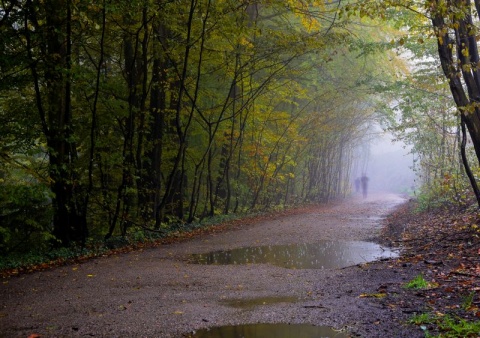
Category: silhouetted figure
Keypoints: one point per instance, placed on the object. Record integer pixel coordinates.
(364, 183)
(357, 185)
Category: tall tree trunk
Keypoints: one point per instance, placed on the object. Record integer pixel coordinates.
(464, 63)
(69, 222)
(133, 74)
(93, 126)
(157, 125)
(181, 127)
(143, 186)
(468, 171)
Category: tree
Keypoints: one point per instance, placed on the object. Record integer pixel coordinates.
(151, 114)
(51, 79)
(458, 52)
(423, 117)
(452, 24)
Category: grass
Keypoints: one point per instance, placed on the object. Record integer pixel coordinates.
(417, 283)
(468, 301)
(423, 318)
(447, 326)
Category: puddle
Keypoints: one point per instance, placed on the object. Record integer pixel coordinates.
(254, 302)
(322, 255)
(269, 330)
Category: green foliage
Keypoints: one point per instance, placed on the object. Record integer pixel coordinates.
(425, 118)
(424, 115)
(452, 189)
(422, 318)
(32, 259)
(447, 326)
(468, 301)
(136, 237)
(25, 217)
(168, 113)
(428, 201)
(418, 282)
(452, 327)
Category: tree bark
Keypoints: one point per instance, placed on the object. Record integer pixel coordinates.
(69, 222)
(465, 63)
(466, 166)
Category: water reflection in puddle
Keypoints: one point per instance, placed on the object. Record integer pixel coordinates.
(269, 330)
(325, 254)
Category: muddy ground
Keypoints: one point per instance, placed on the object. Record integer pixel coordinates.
(158, 292)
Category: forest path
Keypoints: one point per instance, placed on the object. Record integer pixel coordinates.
(158, 292)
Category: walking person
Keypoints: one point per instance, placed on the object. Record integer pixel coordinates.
(364, 183)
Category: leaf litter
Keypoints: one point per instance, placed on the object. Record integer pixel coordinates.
(443, 245)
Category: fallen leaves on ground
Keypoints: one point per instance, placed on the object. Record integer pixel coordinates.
(444, 245)
(372, 295)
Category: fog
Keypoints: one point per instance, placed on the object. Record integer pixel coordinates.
(387, 164)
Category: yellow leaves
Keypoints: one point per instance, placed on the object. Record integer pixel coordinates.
(245, 42)
(470, 108)
(373, 295)
(305, 11)
(310, 23)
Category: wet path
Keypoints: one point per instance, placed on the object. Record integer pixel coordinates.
(318, 255)
(161, 293)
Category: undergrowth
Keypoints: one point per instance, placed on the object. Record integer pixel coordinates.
(137, 237)
(448, 326)
(417, 283)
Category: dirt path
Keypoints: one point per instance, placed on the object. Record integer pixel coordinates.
(158, 293)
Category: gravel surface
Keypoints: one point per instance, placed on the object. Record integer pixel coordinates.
(158, 292)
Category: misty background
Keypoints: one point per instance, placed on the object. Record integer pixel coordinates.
(388, 164)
